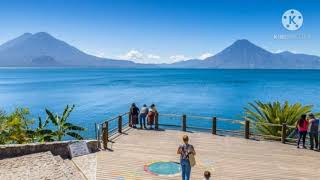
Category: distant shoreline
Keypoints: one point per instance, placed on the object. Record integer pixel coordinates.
(105, 67)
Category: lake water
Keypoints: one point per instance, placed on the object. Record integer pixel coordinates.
(100, 93)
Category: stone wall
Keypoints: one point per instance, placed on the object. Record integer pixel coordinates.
(56, 148)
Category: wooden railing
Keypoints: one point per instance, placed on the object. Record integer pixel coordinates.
(103, 131)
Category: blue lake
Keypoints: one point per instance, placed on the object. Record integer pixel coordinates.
(101, 93)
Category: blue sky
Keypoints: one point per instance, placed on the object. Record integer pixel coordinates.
(162, 30)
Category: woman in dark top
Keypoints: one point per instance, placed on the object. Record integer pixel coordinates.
(134, 114)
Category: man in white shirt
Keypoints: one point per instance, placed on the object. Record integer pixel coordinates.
(143, 114)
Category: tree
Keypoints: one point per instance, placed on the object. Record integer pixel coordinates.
(15, 126)
(275, 113)
(3, 127)
(63, 128)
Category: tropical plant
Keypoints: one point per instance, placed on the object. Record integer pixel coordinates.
(3, 127)
(41, 133)
(15, 126)
(265, 114)
(63, 127)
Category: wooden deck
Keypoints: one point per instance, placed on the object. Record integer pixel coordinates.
(226, 157)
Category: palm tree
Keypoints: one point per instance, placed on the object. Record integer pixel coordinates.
(41, 133)
(63, 127)
(274, 113)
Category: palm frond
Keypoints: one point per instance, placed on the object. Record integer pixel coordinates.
(52, 117)
(70, 126)
(75, 135)
(66, 113)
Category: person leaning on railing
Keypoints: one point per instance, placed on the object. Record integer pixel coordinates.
(302, 126)
(143, 114)
(313, 132)
(134, 113)
(151, 115)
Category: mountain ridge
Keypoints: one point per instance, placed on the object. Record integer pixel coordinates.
(23, 49)
(243, 54)
(30, 49)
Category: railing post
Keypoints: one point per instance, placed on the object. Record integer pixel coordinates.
(95, 130)
(156, 121)
(105, 134)
(184, 122)
(214, 125)
(120, 124)
(98, 136)
(284, 133)
(130, 119)
(247, 129)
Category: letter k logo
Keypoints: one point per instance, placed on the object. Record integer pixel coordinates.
(291, 20)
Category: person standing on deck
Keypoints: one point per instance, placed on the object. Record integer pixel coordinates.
(152, 112)
(143, 114)
(134, 113)
(185, 150)
(302, 125)
(313, 132)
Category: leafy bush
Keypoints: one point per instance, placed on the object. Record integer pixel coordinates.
(275, 113)
(17, 127)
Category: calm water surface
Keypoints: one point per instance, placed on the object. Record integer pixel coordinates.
(100, 93)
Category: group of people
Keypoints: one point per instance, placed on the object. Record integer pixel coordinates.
(306, 124)
(143, 114)
(311, 125)
(187, 160)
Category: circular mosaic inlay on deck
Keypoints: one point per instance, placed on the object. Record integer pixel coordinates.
(163, 168)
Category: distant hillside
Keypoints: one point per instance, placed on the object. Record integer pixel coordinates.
(41, 49)
(243, 54)
(28, 50)
(44, 61)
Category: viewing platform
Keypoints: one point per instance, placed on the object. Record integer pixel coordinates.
(225, 156)
(124, 153)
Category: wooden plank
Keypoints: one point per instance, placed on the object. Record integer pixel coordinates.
(226, 157)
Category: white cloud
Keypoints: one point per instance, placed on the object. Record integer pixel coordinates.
(152, 56)
(140, 57)
(205, 55)
(132, 55)
(100, 54)
(280, 51)
(178, 57)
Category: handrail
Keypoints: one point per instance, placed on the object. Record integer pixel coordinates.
(247, 131)
(225, 119)
(200, 117)
(114, 118)
(172, 115)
